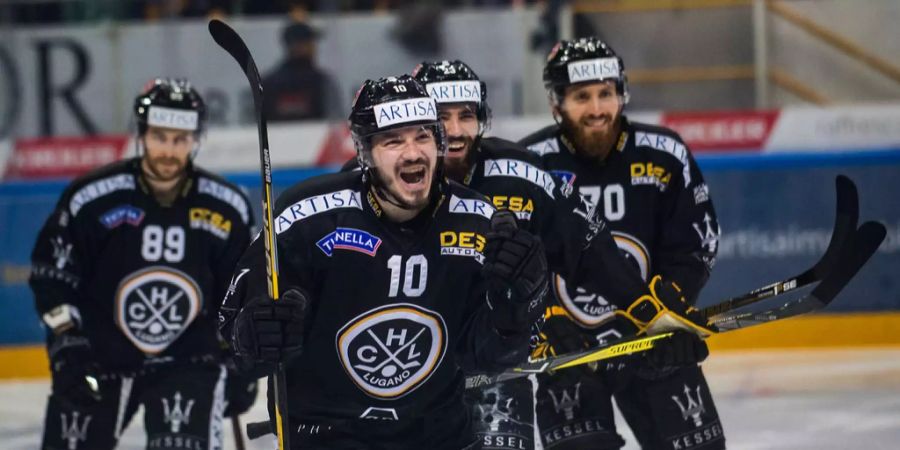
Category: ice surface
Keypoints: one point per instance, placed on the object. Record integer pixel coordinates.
(785, 399)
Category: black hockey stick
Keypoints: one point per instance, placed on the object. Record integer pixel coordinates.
(229, 40)
(238, 436)
(845, 219)
(853, 255)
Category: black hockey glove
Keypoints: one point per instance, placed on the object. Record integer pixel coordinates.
(683, 349)
(240, 392)
(666, 310)
(515, 267)
(269, 332)
(75, 371)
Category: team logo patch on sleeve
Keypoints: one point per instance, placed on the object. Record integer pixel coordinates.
(566, 176)
(390, 351)
(155, 305)
(349, 239)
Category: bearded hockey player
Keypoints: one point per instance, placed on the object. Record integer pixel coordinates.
(127, 274)
(395, 283)
(651, 193)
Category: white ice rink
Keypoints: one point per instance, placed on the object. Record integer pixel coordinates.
(814, 399)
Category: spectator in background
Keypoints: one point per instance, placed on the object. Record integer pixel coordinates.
(297, 89)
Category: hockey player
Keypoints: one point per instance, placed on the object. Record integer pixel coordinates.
(651, 193)
(127, 274)
(394, 282)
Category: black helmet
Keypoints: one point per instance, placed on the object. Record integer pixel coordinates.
(170, 103)
(455, 82)
(583, 60)
(388, 103)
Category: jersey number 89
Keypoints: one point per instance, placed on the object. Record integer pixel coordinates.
(168, 244)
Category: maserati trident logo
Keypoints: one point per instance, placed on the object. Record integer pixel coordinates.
(72, 432)
(566, 403)
(62, 252)
(692, 408)
(709, 238)
(174, 415)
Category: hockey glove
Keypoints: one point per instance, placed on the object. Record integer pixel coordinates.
(75, 372)
(240, 393)
(666, 309)
(515, 267)
(683, 349)
(269, 332)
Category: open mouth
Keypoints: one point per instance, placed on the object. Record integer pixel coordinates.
(456, 146)
(597, 123)
(413, 175)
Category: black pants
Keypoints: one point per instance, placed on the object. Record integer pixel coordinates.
(503, 415)
(182, 410)
(672, 412)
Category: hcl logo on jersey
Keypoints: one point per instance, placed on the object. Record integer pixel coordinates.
(455, 91)
(349, 239)
(402, 111)
(593, 69)
(390, 351)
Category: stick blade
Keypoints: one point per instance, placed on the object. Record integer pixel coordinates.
(232, 43)
(863, 245)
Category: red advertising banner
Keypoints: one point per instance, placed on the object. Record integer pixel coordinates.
(337, 147)
(62, 157)
(723, 131)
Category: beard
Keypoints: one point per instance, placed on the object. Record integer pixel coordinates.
(591, 144)
(159, 173)
(457, 167)
(389, 189)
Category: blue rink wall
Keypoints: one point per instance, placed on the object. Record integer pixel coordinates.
(776, 213)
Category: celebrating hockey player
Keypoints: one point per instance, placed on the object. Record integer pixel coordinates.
(127, 275)
(651, 193)
(578, 244)
(395, 282)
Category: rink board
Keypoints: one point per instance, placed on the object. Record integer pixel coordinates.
(775, 210)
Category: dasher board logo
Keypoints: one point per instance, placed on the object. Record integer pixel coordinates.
(155, 305)
(390, 351)
(349, 239)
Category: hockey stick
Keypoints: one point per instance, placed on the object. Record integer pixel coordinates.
(229, 40)
(845, 219)
(853, 255)
(238, 436)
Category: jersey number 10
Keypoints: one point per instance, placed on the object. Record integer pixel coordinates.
(412, 287)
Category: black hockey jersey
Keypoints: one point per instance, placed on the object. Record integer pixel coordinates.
(398, 313)
(146, 279)
(577, 242)
(653, 196)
